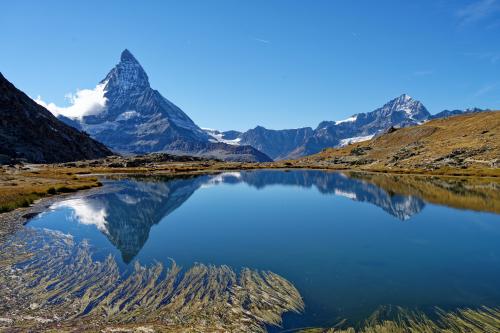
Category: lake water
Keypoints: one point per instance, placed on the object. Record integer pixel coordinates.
(348, 244)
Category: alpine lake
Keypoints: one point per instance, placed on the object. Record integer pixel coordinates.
(261, 250)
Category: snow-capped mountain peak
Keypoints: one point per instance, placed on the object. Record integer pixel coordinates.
(138, 119)
(126, 77)
(412, 108)
(127, 56)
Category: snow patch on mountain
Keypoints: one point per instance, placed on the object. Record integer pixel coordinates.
(348, 141)
(82, 103)
(218, 136)
(127, 115)
(348, 120)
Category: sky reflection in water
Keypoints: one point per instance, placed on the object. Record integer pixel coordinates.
(348, 245)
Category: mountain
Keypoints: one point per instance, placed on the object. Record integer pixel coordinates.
(277, 144)
(450, 113)
(400, 112)
(468, 142)
(138, 119)
(293, 143)
(29, 131)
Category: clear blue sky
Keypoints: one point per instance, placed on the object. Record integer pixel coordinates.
(280, 64)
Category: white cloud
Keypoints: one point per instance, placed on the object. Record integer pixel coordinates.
(261, 40)
(82, 103)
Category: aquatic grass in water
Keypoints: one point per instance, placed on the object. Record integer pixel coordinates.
(48, 279)
(348, 243)
(465, 320)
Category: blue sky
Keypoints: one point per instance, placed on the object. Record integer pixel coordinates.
(280, 64)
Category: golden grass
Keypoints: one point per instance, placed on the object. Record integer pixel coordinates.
(60, 283)
(475, 193)
(20, 188)
(461, 145)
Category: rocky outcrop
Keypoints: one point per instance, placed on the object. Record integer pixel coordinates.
(29, 132)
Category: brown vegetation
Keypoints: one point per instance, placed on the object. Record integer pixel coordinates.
(59, 286)
(460, 145)
(463, 320)
(475, 193)
(20, 186)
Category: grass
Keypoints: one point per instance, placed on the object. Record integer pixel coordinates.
(461, 145)
(63, 279)
(464, 320)
(20, 188)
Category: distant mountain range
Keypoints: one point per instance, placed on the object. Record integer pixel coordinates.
(402, 111)
(138, 119)
(30, 132)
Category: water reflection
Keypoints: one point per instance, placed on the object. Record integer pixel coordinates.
(58, 282)
(129, 208)
(402, 207)
(126, 211)
(348, 243)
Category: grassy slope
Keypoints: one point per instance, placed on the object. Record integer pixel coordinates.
(19, 188)
(468, 142)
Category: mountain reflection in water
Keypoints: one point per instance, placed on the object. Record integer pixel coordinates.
(127, 210)
(348, 242)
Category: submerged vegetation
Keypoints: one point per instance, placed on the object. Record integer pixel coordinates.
(466, 320)
(51, 282)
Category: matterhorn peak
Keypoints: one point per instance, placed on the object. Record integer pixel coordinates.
(127, 56)
(126, 77)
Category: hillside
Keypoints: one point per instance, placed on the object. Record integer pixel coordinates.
(468, 141)
(30, 132)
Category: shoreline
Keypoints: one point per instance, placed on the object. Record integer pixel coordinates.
(11, 220)
(19, 217)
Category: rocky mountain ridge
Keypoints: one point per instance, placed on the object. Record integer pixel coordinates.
(402, 111)
(31, 133)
